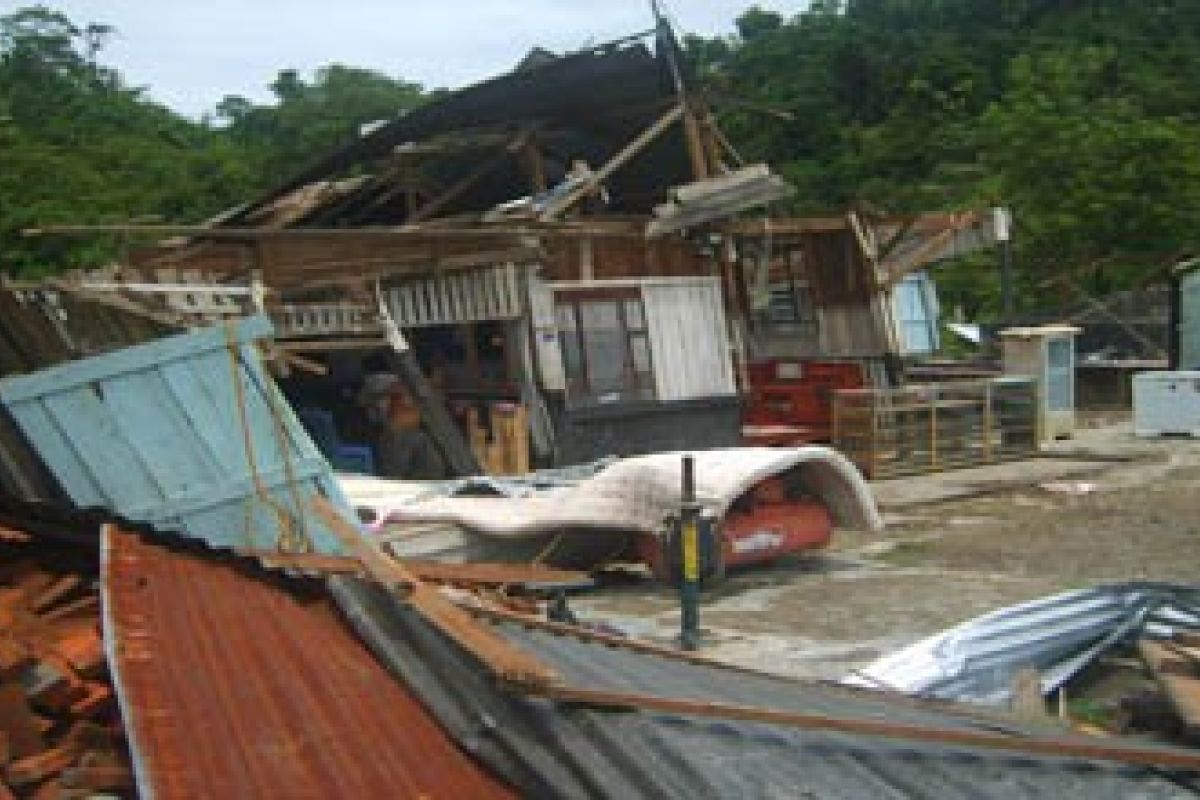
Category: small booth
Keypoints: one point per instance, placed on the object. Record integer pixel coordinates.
(1047, 353)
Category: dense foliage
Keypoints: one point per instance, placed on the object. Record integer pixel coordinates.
(1082, 115)
(80, 145)
(1079, 114)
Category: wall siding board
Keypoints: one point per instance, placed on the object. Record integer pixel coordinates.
(154, 433)
(689, 340)
(489, 294)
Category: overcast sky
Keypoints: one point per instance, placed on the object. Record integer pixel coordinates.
(191, 53)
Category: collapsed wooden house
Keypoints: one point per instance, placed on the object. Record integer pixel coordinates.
(570, 238)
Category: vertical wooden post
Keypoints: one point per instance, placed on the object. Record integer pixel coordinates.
(835, 419)
(933, 430)
(988, 421)
(587, 259)
(873, 437)
(695, 145)
(446, 436)
(535, 164)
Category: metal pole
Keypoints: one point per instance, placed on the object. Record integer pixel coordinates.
(1003, 223)
(689, 543)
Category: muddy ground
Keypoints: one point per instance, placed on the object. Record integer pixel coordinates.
(956, 545)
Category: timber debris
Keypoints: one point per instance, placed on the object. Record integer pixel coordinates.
(61, 734)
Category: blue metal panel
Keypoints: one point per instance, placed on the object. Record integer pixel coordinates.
(155, 433)
(915, 306)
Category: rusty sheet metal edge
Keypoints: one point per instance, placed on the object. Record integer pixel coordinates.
(430, 756)
(129, 712)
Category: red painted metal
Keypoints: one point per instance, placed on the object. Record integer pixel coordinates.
(789, 400)
(762, 525)
(773, 529)
(239, 684)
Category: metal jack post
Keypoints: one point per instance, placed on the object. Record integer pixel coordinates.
(689, 560)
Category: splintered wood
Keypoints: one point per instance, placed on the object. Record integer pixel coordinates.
(1176, 666)
(60, 731)
(506, 452)
(502, 658)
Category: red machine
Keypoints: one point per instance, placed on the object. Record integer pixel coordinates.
(789, 400)
(767, 522)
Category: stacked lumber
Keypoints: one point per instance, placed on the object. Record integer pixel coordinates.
(506, 451)
(60, 729)
(1175, 664)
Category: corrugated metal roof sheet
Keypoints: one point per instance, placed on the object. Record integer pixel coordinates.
(233, 684)
(550, 750)
(1059, 635)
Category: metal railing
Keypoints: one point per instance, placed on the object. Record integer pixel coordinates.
(932, 427)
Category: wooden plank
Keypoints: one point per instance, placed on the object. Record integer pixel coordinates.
(95, 441)
(468, 574)
(1177, 673)
(555, 209)
(503, 659)
(1074, 747)
(168, 445)
(57, 379)
(446, 435)
(456, 190)
(54, 450)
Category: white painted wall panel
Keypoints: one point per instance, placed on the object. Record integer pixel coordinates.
(689, 339)
(546, 346)
(478, 295)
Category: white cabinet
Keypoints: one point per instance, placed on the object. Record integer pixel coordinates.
(1166, 403)
(1048, 354)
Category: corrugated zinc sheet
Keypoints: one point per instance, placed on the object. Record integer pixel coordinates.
(1059, 635)
(448, 298)
(233, 684)
(551, 750)
(158, 433)
(689, 339)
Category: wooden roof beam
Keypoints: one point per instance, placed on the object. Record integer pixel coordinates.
(555, 209)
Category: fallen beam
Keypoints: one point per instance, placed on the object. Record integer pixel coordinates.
(1065, 747)
(1175, 669)
(502, 658)
(468, 574)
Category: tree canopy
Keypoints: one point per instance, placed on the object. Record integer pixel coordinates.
(1081, 115)
(79, 144)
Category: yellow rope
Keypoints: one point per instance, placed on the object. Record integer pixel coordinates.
(288, 540)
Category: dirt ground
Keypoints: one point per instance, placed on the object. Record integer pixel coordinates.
(956, 545)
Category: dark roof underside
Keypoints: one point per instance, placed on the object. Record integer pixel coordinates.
(586, 105)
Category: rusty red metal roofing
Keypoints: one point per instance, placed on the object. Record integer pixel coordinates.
(238, 684)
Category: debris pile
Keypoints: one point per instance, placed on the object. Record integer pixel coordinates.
(60, 729)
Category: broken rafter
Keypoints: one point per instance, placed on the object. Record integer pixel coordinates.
(512, 146)
(556, 208)
(914, 261)
(549, 228)
(504, 659)
(468, 574)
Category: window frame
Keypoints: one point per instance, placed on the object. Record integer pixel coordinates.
(636, 385)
